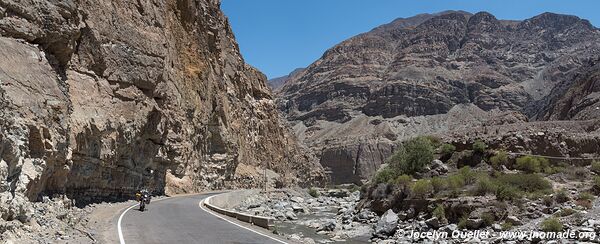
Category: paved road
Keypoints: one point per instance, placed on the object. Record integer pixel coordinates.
(180, 220)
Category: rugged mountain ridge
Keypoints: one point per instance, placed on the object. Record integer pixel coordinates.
(100, 98)
(434, 73)
(278, 82)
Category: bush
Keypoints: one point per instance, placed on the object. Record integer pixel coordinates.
(403, 180)
(526, 182)
(532, 164)
(421, 189)
(501, 158)
(479, 146)
(551, 225)
(507, 193)
(561, 196)
(488, 219)
(433, 140)
(576, 173)
(313, 192)
(413, 156)
(447, 149)
(438, 184)
(506, 226)
(439, 212)
(585, 196)
(385, 175)
(484, 186)
(596, 167)
(566, 212)
(467, 174)
(455, 183)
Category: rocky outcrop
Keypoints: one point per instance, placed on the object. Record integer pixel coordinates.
(102, 97)
(411, 76)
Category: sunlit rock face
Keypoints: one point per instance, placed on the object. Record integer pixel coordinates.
(433, 73)
(99, 98)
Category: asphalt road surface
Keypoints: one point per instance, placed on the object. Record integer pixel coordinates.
(180, 220)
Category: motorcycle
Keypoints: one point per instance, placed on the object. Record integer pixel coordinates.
(144, 200)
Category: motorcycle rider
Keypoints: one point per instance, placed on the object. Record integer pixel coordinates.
(143, 196)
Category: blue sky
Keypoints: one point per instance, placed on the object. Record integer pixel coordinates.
(277, 36)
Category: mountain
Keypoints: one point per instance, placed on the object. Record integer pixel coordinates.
(436, 73)
(278, 82)
(101, 98)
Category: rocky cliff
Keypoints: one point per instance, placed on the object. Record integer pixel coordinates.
(434, 73)
(101, 97)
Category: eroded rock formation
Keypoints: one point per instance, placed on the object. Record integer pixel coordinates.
(433, 73)
(101, 97)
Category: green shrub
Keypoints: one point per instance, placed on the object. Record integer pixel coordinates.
(313, 192)
(413, 156)
(576, 173)
(551, 225)
(565, 212)
(438, 184)
(596, 184)
(561, 196)
(479, 146)
(499, 159)
(484, 186)
(455, 183)
(585, 196)
(439, 212)
(385, 175)
(488, 219)
(596, 167)
(526, 182)
(532, 164)
(447, 149)
(421, 189)
(507, 193)
(433, 140)
(467, 174)
(506, 226)
(403, 180)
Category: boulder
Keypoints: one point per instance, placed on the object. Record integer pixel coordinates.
(290, 215)
(513, 220)
(474, 223)
(387, 224)
(433, 222)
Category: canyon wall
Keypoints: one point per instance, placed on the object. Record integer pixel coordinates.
(99, 98)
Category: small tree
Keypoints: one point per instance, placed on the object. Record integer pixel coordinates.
(413, 156)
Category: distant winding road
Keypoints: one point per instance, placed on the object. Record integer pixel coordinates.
(181, 220)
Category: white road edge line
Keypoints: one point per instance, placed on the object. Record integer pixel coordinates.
(121, 239)
(236, 224)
